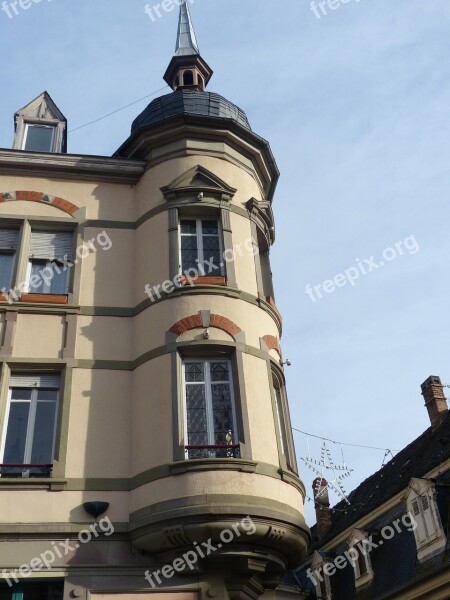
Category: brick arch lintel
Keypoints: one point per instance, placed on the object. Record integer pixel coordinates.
(198, 322)
(272, 343)
(49, 199)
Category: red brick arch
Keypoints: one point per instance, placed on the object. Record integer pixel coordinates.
(273, 344)
(195, 322)
(60, 203)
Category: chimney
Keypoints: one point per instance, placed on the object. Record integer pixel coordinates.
(435, 401)
(322, 506)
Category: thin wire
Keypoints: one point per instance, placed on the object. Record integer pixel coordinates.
(118, 110)
(320, 437)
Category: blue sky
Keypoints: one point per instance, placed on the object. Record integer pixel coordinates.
(356, 108)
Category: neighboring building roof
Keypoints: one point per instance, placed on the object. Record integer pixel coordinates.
(426, 452)
(193, 102)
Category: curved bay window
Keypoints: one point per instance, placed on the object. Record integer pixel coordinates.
(210, 425)
(283, 423)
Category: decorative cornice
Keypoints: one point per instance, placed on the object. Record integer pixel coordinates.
(71, 166)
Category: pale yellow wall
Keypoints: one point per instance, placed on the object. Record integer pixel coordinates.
(260, 412)
(102, 200)
(39, 336)
(151, 415)
(107, 275)
(244, 260)
(99, 427)
(104, 338)
(151, 264)
(41, 506)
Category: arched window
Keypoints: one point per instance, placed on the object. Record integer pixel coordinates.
(188, 78)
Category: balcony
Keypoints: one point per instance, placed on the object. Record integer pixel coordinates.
(10, 471)
(221, 451)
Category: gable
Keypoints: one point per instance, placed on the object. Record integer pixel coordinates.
(43, 108)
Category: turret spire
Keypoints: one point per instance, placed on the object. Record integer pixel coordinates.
(187, 69)
(186, 38)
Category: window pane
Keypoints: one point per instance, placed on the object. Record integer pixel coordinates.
(39, 138)
(47, 395)
(197, 421)
(210, 227)
(219, 371)
(21, 394)
(37, 285)
(6, 269)
(195, 371)
(49, 281)
(42, 451)
(210, 242)
(188, 226)
(17, 433)
(222, 413)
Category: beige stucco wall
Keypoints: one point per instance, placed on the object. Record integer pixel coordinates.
(121, 421)
(99, 428)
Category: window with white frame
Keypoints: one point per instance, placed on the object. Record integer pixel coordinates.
(49, 253)
(210, 424)
(9, 239)
(201, 247)
(362, 566)
(39, 138)
(31, 417)
(428, 533)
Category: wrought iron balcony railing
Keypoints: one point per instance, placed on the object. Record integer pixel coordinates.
(220, 451)
(10, 471)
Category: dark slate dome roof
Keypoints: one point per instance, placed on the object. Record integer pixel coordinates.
(192, 102)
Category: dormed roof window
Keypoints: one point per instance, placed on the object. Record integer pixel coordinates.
(40, 127)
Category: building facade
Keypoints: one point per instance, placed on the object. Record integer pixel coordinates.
(392, 540)
(146, 441)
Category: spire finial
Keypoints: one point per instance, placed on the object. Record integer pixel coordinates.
(186, 39)
(187, 69)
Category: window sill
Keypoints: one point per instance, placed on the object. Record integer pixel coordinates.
(213, 464)
(363, 579)
(45, 298)
(55, 485)
(206, 280)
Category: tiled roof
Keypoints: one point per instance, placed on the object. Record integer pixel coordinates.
(192, 102)
(425, 453)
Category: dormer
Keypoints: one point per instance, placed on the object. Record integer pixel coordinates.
(40, 127)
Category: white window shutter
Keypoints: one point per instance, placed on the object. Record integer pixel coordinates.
(51, 245)
(9, 238)
(35, 380)
(428, 517)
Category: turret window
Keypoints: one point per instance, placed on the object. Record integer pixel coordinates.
(201, 247)
(188, 78)
(210, 426)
